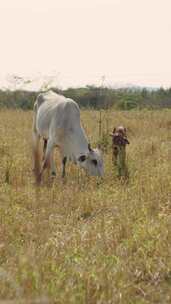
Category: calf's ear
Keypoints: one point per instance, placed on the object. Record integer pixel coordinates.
(114, 130)
(127, 141)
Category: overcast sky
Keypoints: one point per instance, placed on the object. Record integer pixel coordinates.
(127, 41)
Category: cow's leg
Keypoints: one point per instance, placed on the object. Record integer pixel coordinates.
(44, 147)
(36, 154)
(52, 164)
(64, 160)
(47, 158)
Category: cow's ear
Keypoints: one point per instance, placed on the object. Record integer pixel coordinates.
(89, 148)
(100, 149)
(82, 158)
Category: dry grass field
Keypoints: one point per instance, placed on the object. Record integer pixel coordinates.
(84, 240)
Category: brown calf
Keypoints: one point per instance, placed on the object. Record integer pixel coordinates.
(119, 142)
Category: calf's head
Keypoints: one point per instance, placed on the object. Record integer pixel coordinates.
(119, 136)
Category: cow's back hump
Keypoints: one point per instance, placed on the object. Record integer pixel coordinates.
(58, 110)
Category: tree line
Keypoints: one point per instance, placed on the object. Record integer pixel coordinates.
(95, 97)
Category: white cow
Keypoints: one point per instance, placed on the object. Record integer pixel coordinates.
(57, 121)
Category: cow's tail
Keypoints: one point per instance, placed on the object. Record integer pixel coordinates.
(36, 146)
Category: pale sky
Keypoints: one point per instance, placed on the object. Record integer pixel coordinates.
(127, 41)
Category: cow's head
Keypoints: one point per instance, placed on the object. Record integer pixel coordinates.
(92, 162)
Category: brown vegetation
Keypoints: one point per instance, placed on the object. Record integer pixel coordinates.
(85, 240)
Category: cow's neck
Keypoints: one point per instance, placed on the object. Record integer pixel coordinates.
(78, 143)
